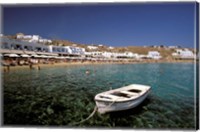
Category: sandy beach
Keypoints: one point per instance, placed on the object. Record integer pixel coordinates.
(41, 66)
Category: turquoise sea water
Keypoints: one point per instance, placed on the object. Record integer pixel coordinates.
(61, 96)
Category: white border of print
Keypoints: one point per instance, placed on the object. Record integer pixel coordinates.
(77, 1)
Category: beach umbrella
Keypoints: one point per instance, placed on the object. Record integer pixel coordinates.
(25, 55)
(67, 57)
(51, 56)
(37, 56)
(81, 58)
(44, 56)
(14, 55)
(11, 55)
(6, 54)
(60, 57)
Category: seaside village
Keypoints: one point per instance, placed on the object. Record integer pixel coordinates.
(33, 50)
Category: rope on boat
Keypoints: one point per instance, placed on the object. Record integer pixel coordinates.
(91, 115)
(111, 103)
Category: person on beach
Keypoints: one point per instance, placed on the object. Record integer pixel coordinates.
(7, 69)
(30, 65)
(38, 67)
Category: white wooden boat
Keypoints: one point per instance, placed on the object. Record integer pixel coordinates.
(122, 98)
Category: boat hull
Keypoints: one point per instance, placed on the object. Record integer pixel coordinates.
(104, 107)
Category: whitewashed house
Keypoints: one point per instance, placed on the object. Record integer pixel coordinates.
(27, 37)
(136, 56)
(92, 47)
(115, 55)
(129, 54)
(88, 54)
(172, 47)
(97, 54)
(35, 38)
(110, 47)
(76, 50)
(66, 50)
(22, 45)
(49, 41)
(183, 54)
(44, 41)
(62, 50)
(20, 36)
(108, 54)
(154, 55)
(124, 55)
(119, 55)
(142, 56)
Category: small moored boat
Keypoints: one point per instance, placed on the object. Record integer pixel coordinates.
(122, 98)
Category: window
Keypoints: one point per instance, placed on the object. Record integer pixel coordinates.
(59, 50)
(38, 49)
(5, 46)
(66, 50)
(18, 47)
(30, 48)
(54, 49)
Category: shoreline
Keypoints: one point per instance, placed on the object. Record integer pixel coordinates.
(41, 66)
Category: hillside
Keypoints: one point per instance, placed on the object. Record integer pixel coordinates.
(165, 52)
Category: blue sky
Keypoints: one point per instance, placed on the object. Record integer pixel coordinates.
(135, 24)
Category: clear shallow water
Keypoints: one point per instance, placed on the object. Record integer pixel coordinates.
(61, 96)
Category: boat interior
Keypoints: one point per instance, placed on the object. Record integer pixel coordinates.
(121, 94)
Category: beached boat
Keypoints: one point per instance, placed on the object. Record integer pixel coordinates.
(122, 98)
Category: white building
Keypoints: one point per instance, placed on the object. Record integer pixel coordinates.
(96, 54)
(172, 47)
(49, 41)
(129, 54)
(100, 45)
(33, 38)
(22, 45)
(20, 36)
(75, 50)
(66, 50)
(184, 54)
(142, 56)
(119, 55)
(110, 47)
(27, 37)
(154, 55)
(9, 44)
(88, 54)
(92, 47)
(58, 49)
(108, 54)
(45, 41)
